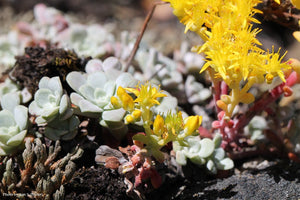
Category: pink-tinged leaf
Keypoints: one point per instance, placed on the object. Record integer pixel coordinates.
(60, 23)
(25, 28)
(216, 124)
(40, 13)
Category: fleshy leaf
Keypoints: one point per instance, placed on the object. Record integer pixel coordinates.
(181, 158)
(87, 91)
(225, 164)
(197, 160)
(64, 104)
(21, 116)
(6, 119)
(76, 98)
(42, 97)
(93, 65)
(97, 80)
(17, 139)
(4, 136)
(207, 147)
(210, 165)
(10, 101)
(114, 115)
(54, 134)
(219, 153)
(86, 106)
(75, 80)
(126, 80)
(54, 85)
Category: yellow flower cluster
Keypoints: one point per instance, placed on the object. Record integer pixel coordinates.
(158, 131)
(231, 46)
(146, 97)
(174, 127)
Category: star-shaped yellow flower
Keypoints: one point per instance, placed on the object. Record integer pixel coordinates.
(146, 94)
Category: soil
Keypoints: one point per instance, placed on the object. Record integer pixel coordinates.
(38, 62)
(255, 179)
(96, 183)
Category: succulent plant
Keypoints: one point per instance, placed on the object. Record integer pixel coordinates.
(53, 110)
(196, 93)
(13, 123)
(8, 86)
(9, 48)
(94, 89)
(43, 174)
(256, 128)
(169, 73)
(203, 151)
(84, 41)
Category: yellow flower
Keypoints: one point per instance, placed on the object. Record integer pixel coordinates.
(174, 122)
(129, 119)
(146, 95)
(192, 123)
(126, 99)
(115, 102)
(296, 3)
(137, 114)
(296, 35)
(274, 66)
(230, 45)
(158, 125)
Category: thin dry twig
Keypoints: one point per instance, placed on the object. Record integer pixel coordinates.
(138, 40)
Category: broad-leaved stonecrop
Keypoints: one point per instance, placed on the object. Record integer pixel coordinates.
(159, 131)
(230, 45)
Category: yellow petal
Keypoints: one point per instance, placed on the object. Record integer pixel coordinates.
(296, 35)
(129, 119)
(158, 125)
(115, 102)
(296, 3)
(192, 124)
(136, 114)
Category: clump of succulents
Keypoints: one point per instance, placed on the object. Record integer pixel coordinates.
(203, 152)
(161, 129)
(169, 73)
(84, 41)
(41, 168)
(110, 95)
(52, 27)
(94, 89)
(13, 123)
(53, 110)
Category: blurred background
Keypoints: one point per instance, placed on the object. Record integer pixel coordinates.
(164, 32)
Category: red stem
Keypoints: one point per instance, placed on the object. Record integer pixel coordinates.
(267, 98)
